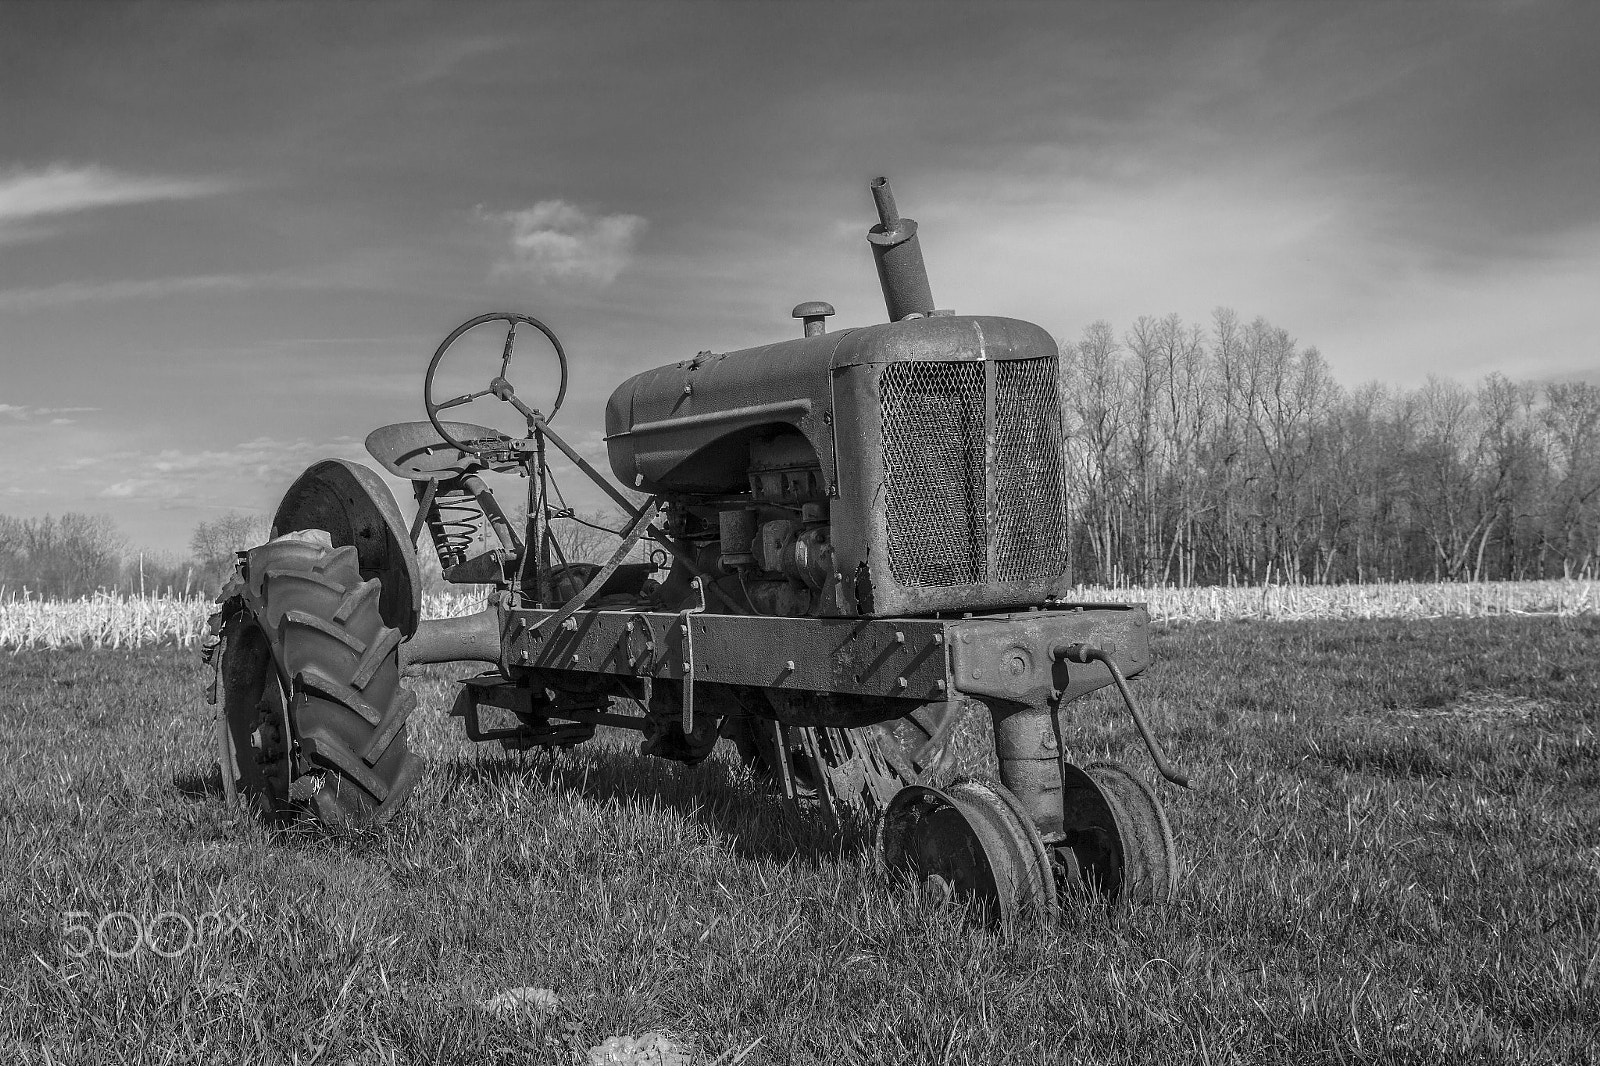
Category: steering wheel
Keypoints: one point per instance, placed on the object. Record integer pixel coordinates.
(499, 387)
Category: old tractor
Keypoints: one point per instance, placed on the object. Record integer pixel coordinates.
(856, 537)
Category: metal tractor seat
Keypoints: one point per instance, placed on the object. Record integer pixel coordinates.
(452, 500)
(415, 451)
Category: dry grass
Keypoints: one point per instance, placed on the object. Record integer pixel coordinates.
(103, 621)
(112, 621)
(1282, 603)
(130, 622)
(1392, 855)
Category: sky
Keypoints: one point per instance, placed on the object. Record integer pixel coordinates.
(231, 236)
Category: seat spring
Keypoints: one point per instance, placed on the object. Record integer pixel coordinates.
(455, 523)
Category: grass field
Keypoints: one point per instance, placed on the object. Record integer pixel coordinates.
(1392, 854)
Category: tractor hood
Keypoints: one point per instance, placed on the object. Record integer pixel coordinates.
(686, 427)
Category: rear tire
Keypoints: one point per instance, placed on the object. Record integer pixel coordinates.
(311, 686)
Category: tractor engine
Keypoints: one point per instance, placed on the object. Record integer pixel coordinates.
(908, 468)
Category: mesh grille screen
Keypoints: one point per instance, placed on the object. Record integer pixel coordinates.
(933, 472)
(935, 481)
(1030, 508)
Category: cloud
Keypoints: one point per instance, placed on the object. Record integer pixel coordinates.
(225, 477)
(25, 413)
(66, 293)
(28, 196)
(557, 241)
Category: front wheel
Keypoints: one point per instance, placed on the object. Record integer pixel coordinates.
(311, 686)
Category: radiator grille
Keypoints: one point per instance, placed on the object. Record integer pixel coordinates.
(1030, 509)
(933, 472)
(939, 463)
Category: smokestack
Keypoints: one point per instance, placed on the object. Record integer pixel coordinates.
(898, 255)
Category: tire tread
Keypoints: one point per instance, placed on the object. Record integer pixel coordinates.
(340, 665)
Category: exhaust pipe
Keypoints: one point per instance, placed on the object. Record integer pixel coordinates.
(898, 255)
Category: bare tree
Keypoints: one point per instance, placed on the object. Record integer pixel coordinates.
(1572, 415)
(59, 558)
(214, 543)
(1235, 456)
(1096, 410)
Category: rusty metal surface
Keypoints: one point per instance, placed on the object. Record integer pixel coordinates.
(813, 316)
(1020, 668)
(1028, 502)
(535, 726)
(940, 339)
(901, 658)
(846, 774)
(950, 493)
(1019, 657)
(1009, 657)
(897, 253)
(468, 638)
(414, 451)
(356, 508)
(933, 472)
(661, 424)
(1029, 750)
(969, 843)
(1118, 834)
(685, 427)
(972, 465)
(1084, 653)
(850, 776)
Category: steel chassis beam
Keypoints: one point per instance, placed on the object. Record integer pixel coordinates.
(1014, 656)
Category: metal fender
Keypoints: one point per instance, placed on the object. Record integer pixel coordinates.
(356, 508)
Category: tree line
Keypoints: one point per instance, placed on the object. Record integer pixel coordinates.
(1193, 455)
(79, 555)
(1229, 455)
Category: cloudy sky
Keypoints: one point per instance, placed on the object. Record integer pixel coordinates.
(231, 236)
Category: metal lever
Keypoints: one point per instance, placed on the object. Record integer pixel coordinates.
(1086, 653)
(688, 655)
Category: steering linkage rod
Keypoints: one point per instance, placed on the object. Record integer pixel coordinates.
(1087, 653)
